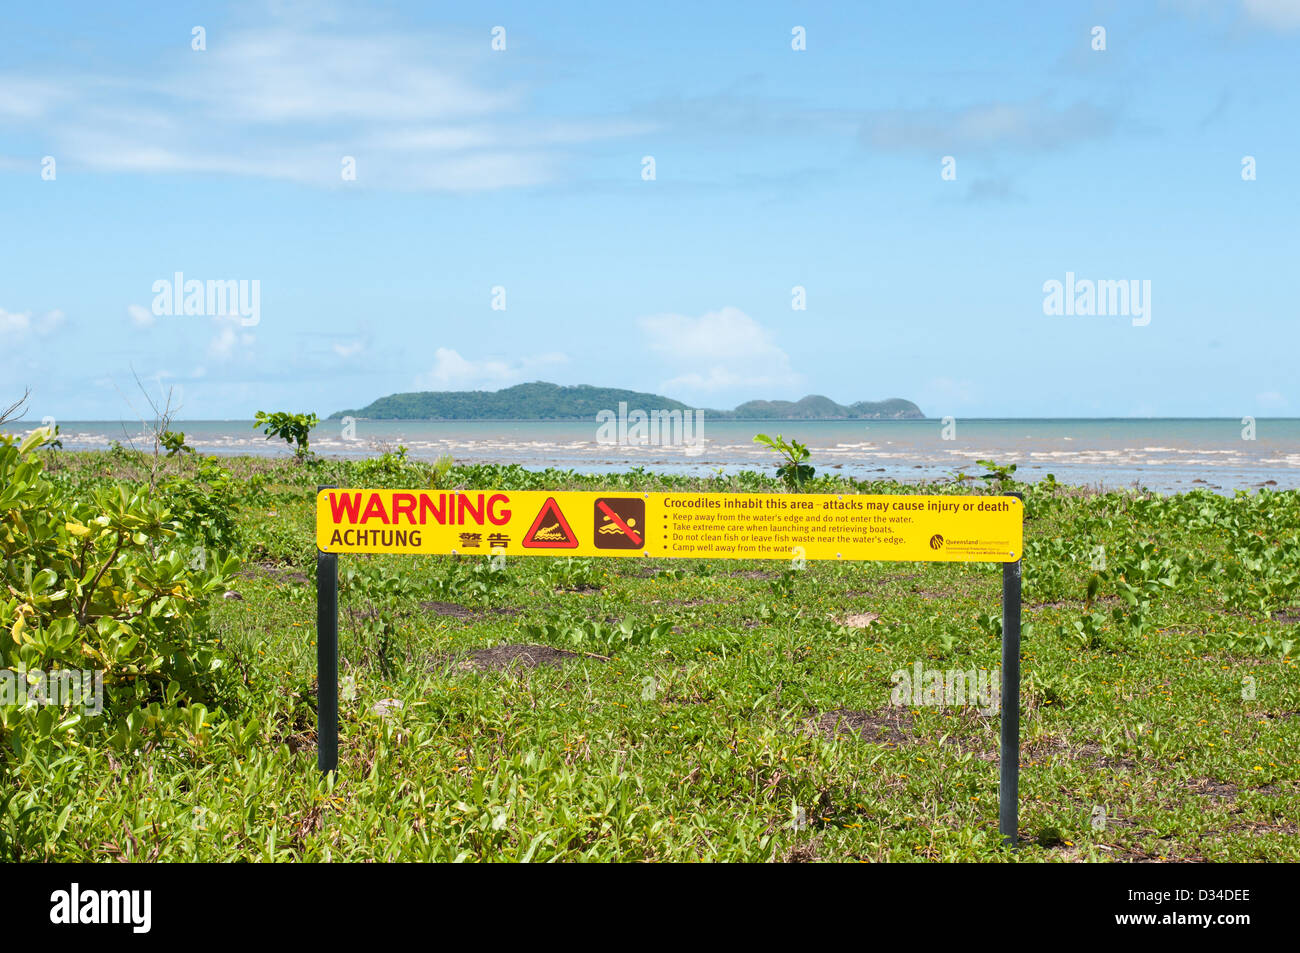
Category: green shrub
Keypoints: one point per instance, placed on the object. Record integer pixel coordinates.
(107, 583)
(204, 508)
(794, 472)
(293, 429)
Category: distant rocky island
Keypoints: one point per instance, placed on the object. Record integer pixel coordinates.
(543, 401)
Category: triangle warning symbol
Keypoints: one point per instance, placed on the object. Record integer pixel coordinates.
(550, 530)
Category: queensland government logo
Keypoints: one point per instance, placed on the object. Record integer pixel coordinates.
(936, 541)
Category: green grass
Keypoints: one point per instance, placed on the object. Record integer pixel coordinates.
(688, 724)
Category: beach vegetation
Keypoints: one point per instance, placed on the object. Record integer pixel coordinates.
(633, 709)
(793, 471)
(293, 429)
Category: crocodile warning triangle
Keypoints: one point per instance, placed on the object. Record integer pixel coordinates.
(550, 530)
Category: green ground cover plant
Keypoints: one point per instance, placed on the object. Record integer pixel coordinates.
(665, 710)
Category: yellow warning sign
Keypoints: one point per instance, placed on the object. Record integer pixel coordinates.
(676, 525)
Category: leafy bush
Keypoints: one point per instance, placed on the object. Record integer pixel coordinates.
(793, 472)
(439, 471)
(1000, 476)
(390, 470)
(118, 452)
(174, 443)
(204, 509)
(98, 583)
(293, 429)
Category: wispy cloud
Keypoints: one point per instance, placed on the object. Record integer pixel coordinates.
(230, 338)
(450, 371)
(1276, 14)
(719, 351)
(288, 76)
(23, 98)
(16, 327)
(1279, 15)
(1031, 126)
(415, 112)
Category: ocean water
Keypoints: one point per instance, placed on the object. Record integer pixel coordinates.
(1165, 455)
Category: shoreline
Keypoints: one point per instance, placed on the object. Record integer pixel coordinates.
(1162, 455)
(1222, 479)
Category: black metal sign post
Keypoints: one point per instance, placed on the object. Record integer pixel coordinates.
(327, 658)
(1009, 748)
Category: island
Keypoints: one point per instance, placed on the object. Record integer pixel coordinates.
(540, 400)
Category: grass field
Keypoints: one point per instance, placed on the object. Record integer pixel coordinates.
(663, 710)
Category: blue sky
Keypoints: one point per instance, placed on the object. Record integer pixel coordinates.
(522, 169)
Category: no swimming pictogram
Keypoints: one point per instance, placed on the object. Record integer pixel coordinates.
(619, 522)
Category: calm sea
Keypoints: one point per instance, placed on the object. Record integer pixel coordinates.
(1166, 455)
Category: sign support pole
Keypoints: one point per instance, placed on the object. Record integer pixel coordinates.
(1009, 749)
(327, 659)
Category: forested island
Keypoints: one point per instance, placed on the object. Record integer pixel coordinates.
(543, 401)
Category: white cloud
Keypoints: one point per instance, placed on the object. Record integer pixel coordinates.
(292, 75)
(416, 112)
(723, 350)
(230, 337)
(141, 317)
(222, 345)
(1271, 400)
(1278, 14)
(18, 325)
(11, 323)
(452, 372)
(26, 99)
(349, 349)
